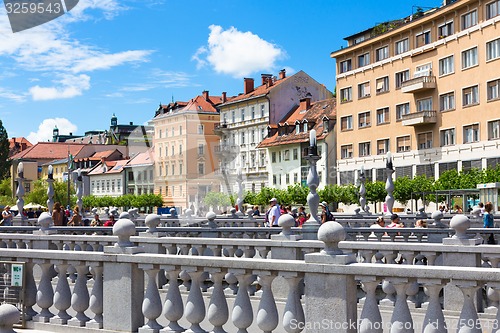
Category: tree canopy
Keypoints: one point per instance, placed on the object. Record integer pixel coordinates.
(4, 153)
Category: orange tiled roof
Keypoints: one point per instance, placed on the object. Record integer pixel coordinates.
(142, 158)
(21, 141)
(260, 90)
(111, 167)
(314, 114)
(50, 150)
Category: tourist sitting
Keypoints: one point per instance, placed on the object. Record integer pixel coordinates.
(421, 224)
(395, 222)
(76, 218)
(96, 222)
(111, 222)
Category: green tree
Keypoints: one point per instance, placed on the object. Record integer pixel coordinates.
(403, 188)
(4, 153)
(375, 192)
(216, 199)
(298, 193)
(5, 189)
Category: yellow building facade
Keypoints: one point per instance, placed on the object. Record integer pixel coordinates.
(424, 88)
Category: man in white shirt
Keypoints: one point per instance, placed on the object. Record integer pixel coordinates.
(274, 213)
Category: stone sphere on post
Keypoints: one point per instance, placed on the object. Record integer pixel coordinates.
(44, 221)
(152, 221)
(331, 233)
(124, 229)
(461, 224)
(9, 315)
(286, 221)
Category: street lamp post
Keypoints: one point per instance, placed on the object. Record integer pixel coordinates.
(389, 184)
(50, 190)
(311, 226)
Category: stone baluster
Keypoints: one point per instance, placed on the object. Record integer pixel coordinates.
(366, 255)
(434, 321)
(495, 287)
(45, 293)
(232, 281)
(389, 256)
(218, 312)
(249, 251)
(62, 295)
(293, 313)
(31, 291)
(216, 250)
(173, 308)
(468, 320)
(80, 298)
(195, 306)
(401, 320)
(370, 320)
(408, 256)
(431, 257)
(263, 251)
(267, 315)
(242, 314)
(151, 305)
(96, 300)
(229, 251)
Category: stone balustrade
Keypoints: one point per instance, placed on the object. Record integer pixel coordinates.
(206, 294)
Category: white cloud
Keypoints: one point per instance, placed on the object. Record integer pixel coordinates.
(4, 93)
(70, 86)
(237, 53)
(106, 61)
(45, 129)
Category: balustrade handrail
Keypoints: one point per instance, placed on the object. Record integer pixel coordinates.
(417, 114)
(425, 79)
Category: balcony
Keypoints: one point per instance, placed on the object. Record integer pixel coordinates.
(419, 118)
(220, 129)
(419, 84)
(225, 151)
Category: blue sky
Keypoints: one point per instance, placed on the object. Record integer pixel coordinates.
(125, 57)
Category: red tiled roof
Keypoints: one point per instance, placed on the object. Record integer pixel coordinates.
(314, 114)
(21, 141)
(111, 166)
(142, 158)
(49, 150)
(260, 90)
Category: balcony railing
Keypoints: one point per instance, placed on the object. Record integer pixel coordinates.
(419, 118)
(419, 84)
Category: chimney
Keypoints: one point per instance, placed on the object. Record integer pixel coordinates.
(224, 97)
(305, 104)
(248, 87)
(282, 74)
(266, 78)
(205, 95)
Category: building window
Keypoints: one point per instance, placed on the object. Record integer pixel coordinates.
(364, 149)
(424, 140)
(446, 66)
(447, 137)
(401, 110)
(180, 169)
(253, 113)
(346, 151)
(447, 101)
(180, 149)
(346, 95)
(274, 180)
(262, 111)
(424, 104)
(287, 179)
(200, 129)
(423, 38)
(382, 53)
(471, 133)
(492, 9)
(130, 176)
(286, 155)
(201, 149)
(446, 30)
(273, 157)
(469, 58)
(364, 60)
(364, 119)
(305, 127)
(493, 49)
(242, 114)
(233, 116)
(402, 46)
(364, 90)
(345, 66)
(423, 70)
(382, 85)
(253, 136)
(201, 168)
(470, 96)
(262, 158)
(173, 150)
(242, 138)
(493, 89)
(494, 130)
(402, 77)
(403, 144)
(382, 116)
(469, 19)
(295, 153)
(295, 177)
(346, 123)
(382, 146)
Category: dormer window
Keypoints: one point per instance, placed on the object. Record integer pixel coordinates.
(297, 128)
(326, 124)
(305, 127)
